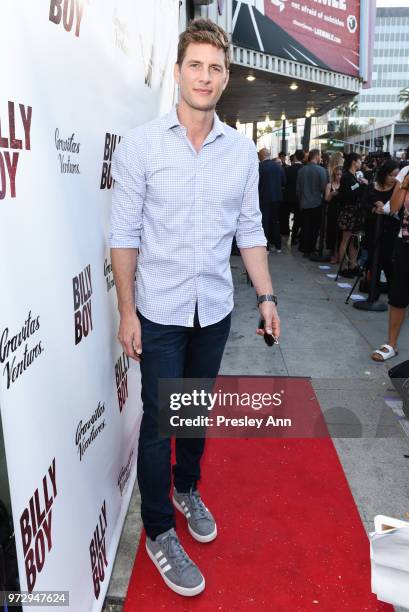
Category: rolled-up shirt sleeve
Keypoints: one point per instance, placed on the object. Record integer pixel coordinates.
(403, 172)
(127, 197)
(249, 231)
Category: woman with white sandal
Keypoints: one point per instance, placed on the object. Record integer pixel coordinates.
(399, 290)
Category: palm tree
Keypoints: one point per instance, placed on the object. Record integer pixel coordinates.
(404, 97)
(345, 111)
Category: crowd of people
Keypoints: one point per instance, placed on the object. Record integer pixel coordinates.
(342, 195)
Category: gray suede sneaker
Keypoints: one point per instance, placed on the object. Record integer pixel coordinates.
(200, 521)
(176, 568)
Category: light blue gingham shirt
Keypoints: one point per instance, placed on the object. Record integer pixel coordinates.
(181, 209)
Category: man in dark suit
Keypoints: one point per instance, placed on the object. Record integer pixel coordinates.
(291, 198)
(311, 182)
(282, 156)
(271, 184)
(284, 209)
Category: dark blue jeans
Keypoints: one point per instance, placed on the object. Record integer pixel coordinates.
(171, 351)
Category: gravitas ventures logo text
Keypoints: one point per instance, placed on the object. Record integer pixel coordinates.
(18, 351)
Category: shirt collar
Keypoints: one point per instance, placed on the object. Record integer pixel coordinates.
(172, 120)
(218, 126)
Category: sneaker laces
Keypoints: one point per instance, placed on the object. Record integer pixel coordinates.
(176, 551)
(198, 506)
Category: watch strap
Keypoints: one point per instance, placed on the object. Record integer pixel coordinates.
(267, 297)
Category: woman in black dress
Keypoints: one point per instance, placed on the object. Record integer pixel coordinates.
(351, 191)
(332, 198)
(377, 195)
(399, 289)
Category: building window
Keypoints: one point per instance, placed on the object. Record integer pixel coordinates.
(190, 10)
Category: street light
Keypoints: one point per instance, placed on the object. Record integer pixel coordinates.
(250, 77)
(293, 86)
(283, 134)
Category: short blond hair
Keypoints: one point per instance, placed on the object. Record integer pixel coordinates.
(203, 31)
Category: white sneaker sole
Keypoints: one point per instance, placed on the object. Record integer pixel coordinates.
(174, 587)
(200, 538)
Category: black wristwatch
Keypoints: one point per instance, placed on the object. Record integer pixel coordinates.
(268, 297)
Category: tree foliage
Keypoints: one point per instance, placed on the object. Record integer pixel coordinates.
(345, 111)
(404, 97)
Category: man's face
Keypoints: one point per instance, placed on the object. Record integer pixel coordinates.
(202, 77)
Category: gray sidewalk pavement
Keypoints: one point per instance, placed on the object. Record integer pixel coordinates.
(329, 341)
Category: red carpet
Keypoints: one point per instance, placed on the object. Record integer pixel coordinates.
(289, 534)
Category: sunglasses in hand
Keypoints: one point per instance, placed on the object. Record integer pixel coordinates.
(269, 339)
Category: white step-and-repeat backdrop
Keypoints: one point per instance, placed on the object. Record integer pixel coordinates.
(75, 75)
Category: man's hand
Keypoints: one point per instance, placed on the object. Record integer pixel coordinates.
(269, 314)
(129, 335)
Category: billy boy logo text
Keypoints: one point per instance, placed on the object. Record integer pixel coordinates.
(36, 526)
(98, 551)
(11, 143)
(82, 292)
(111, 140)
(121, 378)
(109, 276)
(70, 12)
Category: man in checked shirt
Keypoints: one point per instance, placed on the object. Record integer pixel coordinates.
(186, 184)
